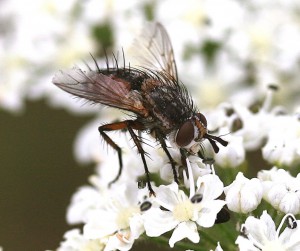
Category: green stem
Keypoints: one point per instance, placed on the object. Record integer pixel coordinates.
(228, 232)
(207, 237)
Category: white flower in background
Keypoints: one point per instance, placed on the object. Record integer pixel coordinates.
(119, 218)
(283, 143)
(245, 38)
(261, 234)
(233, 154)
(83, 201)
(274, 175)
(75, 241)
(183, 213)
(243, 195)
(33, 45)
(281, 190)
(254, 127)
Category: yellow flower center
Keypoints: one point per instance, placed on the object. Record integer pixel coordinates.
(93, 245)
(183, 211)
(273, 246)
(124, 216)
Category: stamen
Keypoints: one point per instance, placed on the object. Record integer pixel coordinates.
(197, 198)
(210, 163)
(291, 222)
(146, 205)
(191, 178)
(288, 218)
(269, 97)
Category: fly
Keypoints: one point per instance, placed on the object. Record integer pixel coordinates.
(160, 103)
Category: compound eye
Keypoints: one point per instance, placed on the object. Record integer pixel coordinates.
(202, 119)
(185, 134)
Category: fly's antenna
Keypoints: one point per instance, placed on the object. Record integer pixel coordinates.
(129, 67)
(213, 139)
(97, 66)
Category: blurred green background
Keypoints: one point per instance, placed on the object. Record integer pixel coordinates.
(38, 176)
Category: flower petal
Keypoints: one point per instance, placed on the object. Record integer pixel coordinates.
(100, 224)
(290, 238)
(185, 230)
(116, 243)
(262, 229)
(208, 214)
(166, 196)
(158, 222)
(212, 186)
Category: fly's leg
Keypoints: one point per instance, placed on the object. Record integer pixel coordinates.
(183, 154)
(165, 148)
(113, 127)
(142, 153)
(129, 125)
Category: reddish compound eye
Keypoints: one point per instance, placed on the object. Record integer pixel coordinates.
(185, 134)
(202, 119)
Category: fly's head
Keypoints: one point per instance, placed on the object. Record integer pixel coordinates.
(193, 131)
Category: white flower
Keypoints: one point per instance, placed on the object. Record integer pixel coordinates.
(254, 127)
(281, 190)
(233, 154)
(120, 219)
(283, 141)
(84, 200)
(261, 234)
(243, 195)
(182, 213)
(75, 241)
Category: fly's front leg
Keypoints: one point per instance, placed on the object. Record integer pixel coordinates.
(165, 148)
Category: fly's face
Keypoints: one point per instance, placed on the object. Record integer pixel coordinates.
(193, 131)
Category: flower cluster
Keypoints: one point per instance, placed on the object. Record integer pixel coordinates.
(116, 217)
(233, 55)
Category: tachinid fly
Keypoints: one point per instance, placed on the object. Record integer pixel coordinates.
(160, 104)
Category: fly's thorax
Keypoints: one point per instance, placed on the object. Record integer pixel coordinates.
(190, 134)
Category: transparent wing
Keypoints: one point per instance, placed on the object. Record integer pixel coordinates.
(153, 50)
(99, 88)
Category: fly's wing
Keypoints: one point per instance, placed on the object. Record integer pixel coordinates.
(99, 88)
(153, 50)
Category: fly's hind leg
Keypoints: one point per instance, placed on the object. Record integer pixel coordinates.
(113, 127)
